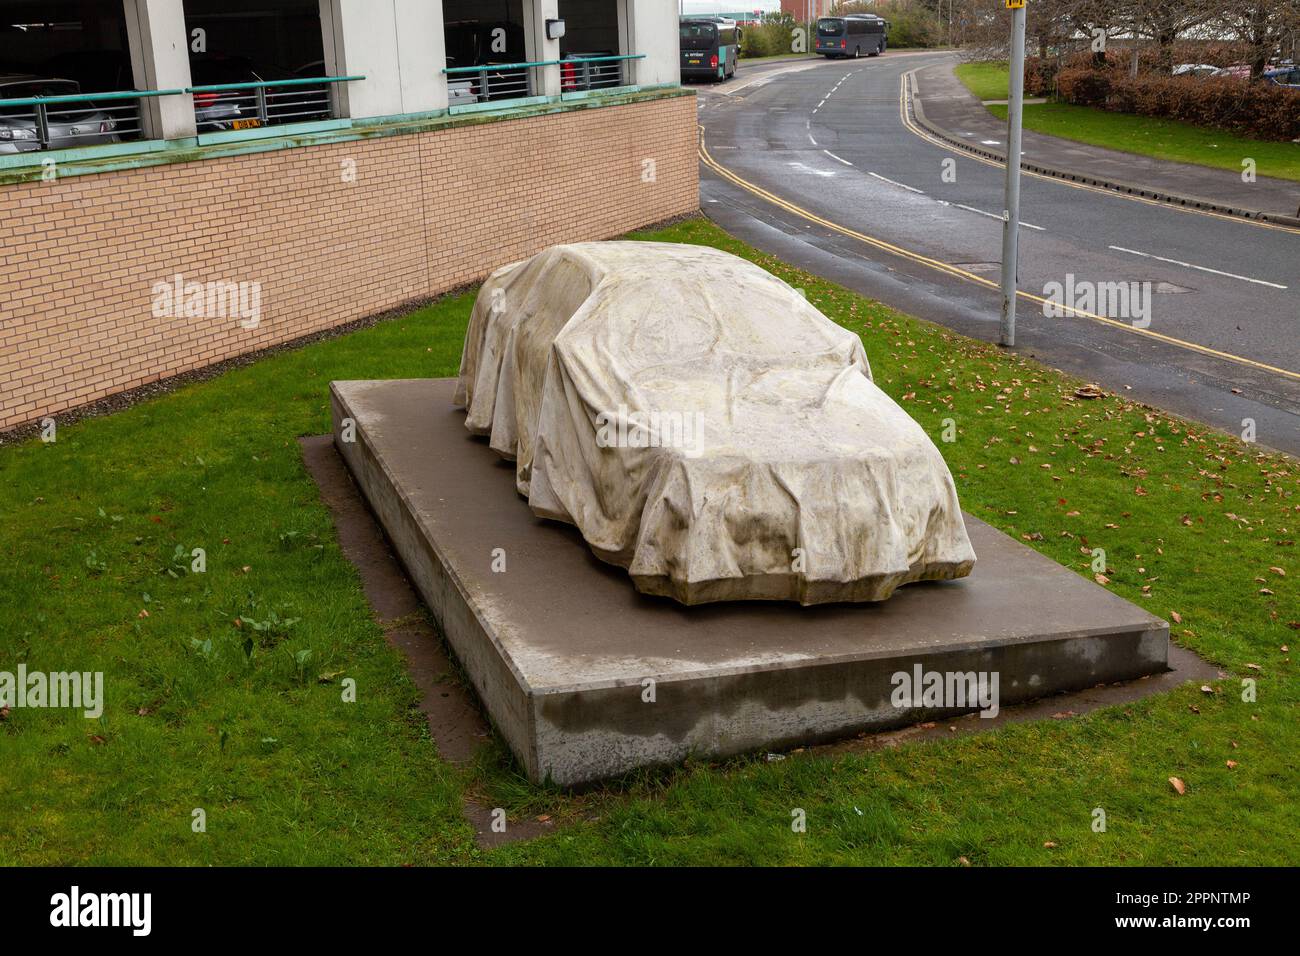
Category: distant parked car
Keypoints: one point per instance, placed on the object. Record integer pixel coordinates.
(1238, 71)
(1195, 69)
(1288, 76)
(69, 124)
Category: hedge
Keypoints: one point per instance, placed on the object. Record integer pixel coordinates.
(1258, 110)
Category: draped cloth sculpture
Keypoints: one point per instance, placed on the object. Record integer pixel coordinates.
(705, 428)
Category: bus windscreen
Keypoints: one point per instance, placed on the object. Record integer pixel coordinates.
(699, 36)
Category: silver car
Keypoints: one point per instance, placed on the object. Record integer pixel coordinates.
(67, 124)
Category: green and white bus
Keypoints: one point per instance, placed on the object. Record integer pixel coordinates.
(859, 34)
(710, 47)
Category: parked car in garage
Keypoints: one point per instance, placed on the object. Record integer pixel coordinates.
(485, 43)
(238, 109)
(577, 72)
(67, 124)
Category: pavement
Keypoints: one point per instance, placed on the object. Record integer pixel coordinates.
(947, 108)
(822, 165)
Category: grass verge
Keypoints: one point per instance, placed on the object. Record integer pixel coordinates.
(1143, 135)
(245, 720)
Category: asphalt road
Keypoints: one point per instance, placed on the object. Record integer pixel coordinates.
(830, 150)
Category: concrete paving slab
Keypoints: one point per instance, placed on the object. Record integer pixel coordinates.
(586, 679)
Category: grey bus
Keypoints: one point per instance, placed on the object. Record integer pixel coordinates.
(854, 35)
(710, 47)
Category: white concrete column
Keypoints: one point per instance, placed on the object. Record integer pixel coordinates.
(160, 60)
(536, 13)
(652, 30)
(397, 45)
(422, 54)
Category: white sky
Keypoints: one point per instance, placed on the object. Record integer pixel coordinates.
(728, 6)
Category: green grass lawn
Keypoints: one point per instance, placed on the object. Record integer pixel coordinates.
(986, 80)
(1144, 135)
(96, 529)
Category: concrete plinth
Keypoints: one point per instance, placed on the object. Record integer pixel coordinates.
(585, 678)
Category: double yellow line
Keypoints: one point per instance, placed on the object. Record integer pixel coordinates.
(958, 272)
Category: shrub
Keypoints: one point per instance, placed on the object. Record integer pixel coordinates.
(1040, 76)
(1083, 87)
(772, 37)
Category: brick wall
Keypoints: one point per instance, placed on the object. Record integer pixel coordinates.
(425, 212)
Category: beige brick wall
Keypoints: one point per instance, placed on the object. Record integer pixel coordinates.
(427, 211)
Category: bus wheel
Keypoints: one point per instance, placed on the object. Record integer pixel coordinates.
(857, 52)
(877, 51)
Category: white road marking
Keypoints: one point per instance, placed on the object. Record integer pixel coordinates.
(766, 77)
(801, 167)
(910, 189)
(981, 212)
(836, 158)
(1179, 262)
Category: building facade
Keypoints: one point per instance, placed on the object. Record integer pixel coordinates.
(806, 10)
(185, 181)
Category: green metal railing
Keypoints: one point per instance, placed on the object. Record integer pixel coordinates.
(224, 106)
(502, 81)
(81, 119)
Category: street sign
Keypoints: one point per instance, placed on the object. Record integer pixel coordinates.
(1015, 4)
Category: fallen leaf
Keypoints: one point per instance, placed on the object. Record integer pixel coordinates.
(1207, 689)
(143, 613)
(1278, 571)
(1178, 785)
(1101, 579)
(1178, 618)
(963, 861)
(1049, 845)
(1232, 765)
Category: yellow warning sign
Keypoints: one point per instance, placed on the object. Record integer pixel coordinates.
(1015, 4)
